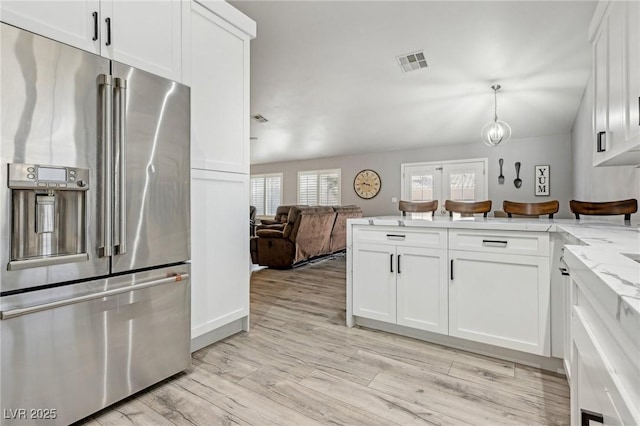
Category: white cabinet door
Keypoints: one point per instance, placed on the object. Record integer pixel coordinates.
(422, 289)
(616, 82)
(219, 79)
(143, 34)
(632, 77)
(70, 22)
(591, 392)
(501, 300)
(219, 249)
(615, 52)
(600, 78)
(374, 282)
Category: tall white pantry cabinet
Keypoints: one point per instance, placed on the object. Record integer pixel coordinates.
(216, 65)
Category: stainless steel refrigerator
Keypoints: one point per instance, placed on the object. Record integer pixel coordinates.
(94, 230)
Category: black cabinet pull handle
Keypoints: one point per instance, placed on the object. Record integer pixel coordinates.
(601, 145)
(399, 263)
(391, 263)
(108, 21)
(499, 242)
(95, 26)
(564, 271)
(451, 269)
(587, 416)
(396, 236)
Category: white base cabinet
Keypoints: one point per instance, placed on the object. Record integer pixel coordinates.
(491, 287)
(421, 293)
(605, 361)
(219, 250)
(401, 279)
(501, 300)
(374, 285)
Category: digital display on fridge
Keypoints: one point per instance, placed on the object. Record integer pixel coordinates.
(52, 174)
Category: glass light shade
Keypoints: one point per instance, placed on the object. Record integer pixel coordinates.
(495, 132)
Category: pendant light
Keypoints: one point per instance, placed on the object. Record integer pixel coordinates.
(495, 131)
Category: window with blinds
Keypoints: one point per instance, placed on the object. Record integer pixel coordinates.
(319, 187)
(266, 193)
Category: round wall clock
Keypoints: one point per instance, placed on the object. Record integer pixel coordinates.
(367, 184)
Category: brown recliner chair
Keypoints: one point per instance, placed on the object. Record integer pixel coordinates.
(305, 235)
(338, 240)
(279, 219)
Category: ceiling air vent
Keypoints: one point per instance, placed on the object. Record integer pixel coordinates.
(259, 118)
(412, 61)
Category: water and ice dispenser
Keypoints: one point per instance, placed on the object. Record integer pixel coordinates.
(48, 215)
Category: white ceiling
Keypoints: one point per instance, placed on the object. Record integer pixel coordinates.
(326, 77)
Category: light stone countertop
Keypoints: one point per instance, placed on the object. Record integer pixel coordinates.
(461, 223)
(604, 255)
(602, 252)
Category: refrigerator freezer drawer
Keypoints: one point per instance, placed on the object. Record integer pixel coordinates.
(69, 358)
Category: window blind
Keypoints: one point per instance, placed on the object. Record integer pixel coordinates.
(266, 193)
(273, 194)
(308, 188)
(319, 187)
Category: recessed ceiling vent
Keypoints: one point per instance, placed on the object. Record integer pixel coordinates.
(412, 61)
(259, 118)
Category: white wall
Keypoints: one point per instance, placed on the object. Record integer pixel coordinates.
(598, 183)
(554, 151)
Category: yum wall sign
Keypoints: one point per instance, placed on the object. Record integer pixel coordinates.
(542, 180)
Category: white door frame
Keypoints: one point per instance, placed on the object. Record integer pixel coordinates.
(403, 167)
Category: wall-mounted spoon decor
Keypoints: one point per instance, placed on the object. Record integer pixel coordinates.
(517, 181)
(501, 177)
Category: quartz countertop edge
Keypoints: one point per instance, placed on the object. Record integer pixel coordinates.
(603, 251)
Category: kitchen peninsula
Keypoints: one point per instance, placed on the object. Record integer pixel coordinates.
(563, 295)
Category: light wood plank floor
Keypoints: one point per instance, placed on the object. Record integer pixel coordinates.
(300, 365)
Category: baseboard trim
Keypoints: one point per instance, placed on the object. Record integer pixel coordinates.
(218, 334)
(555, 365)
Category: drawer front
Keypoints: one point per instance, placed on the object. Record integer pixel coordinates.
(99, 351)
(528, 243)
(401, 236)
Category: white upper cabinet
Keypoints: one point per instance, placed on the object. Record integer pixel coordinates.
(632, 76)
(142, 34)
(615, 37)
(219, 78)
(76, 23)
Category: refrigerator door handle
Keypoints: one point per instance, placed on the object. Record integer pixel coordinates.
(120, 125)
(57, 304)
(106, 104)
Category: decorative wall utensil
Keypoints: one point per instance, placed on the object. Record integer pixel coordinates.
(517, 181)
(501, 177)
(542, 180)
